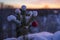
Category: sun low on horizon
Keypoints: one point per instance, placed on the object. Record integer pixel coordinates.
(33, 3)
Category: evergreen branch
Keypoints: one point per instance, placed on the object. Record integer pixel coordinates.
(23, 20)
(31, 19)
(18, 17)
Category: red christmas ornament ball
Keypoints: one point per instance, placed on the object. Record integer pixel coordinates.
(34, 24)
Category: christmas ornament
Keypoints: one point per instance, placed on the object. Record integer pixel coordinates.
(35, 13)
(11, 17)
(34, 24)
(17, 11)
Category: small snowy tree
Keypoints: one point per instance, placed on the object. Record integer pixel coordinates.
(23, 20)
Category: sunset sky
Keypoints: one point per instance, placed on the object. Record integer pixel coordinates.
(33, 3)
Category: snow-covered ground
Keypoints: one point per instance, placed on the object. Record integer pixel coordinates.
(35, 36)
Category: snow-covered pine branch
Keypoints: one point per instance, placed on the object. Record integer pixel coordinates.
(23, 7)
(35, 13)
(11, 17)
(17, 11)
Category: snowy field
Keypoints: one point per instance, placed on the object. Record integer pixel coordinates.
(39, 36)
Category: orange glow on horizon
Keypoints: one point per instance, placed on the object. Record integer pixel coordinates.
(31, 6)
(36, 4)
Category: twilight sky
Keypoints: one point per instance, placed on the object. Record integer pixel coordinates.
(33, 3)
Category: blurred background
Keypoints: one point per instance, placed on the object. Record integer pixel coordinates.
(48, 14)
